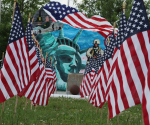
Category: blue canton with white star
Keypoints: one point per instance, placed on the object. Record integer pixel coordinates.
(138, 21)
(88, 67)
(38, 56)
(121, 30)
(100, 61)
(109, 50)
(59, 11)
(17, 31)
(2, 62)
(29, 38)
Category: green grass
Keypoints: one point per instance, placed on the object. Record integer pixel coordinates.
(65, 111)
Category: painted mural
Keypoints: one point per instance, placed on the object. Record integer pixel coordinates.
(65, 44)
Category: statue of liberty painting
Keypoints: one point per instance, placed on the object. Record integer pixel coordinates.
(65, 55)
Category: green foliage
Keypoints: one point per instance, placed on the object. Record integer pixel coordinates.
(109, 9)
(65, 111)
(25, 6)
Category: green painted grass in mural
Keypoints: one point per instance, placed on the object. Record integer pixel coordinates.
(65, 111)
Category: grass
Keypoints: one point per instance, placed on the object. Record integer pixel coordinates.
(65, 111)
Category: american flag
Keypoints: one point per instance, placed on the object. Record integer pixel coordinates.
(32, 54)
(15, 73)
(34, 65)
(98, 92)
(37, 89)
(77, 19)
(51, 76)
(48, 69)
(119, 41)
(86, 84)
(146, 100)
(132, 63)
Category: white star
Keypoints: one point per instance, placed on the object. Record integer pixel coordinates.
(73, 10)
(145, 26)
(136, 20)
(58, 8)
(131, 31)
(55, 12)
(143, 18)
(141, 11)
(64, 13)
(60, 16)
(52, 4)
(50, 7)
(63, 8)
(138, 15)
(68, 11)
(141, 23)
(56, 3)
(133, 14)
(12, 38)
(129, 24)
(132, 19)
(138, 28)
(59, 11)
(53, 7)
(16, 11)
(138, 3)
(135, 8)
(133, 25)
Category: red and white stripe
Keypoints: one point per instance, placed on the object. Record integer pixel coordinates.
(79, 20)
(102, 83)
(15, 73)
(130, 72)
(86, 85)
(146, 100)
(49, 73)
(36, 87)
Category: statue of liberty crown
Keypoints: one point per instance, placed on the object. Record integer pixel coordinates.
(66, 41)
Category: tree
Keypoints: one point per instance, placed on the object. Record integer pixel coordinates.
(25, 6)
(109, 9)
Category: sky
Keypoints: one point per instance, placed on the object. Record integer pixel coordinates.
(66, 2)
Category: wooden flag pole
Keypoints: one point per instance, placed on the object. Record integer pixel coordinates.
(31, 105)
(118, 119)
(101, 112)
(26, 98)
(124, 6)
(108, 117)
(14, 10)
(3, 104)
(16, 105)
(12, 23)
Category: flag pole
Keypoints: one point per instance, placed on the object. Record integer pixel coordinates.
(12, 23)
(3, 102)
(14, 10)
(118, 114)
(26, 98)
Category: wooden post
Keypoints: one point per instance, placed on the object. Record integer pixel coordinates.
(124, 6)
(14, 10)
(26, 103)
(101, 112)
(16, 105)
(108, 117)
(96, 110)
(29, 17)
(3, 104)
(118, 119)
(31, 105)
(114, 27)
